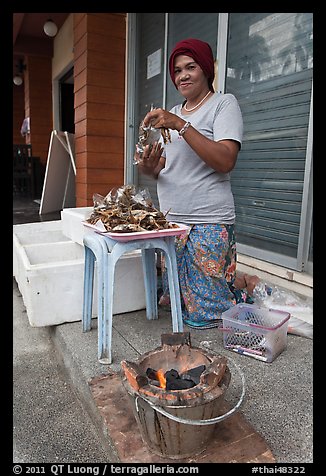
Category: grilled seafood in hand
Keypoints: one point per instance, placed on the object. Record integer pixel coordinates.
(148, 135)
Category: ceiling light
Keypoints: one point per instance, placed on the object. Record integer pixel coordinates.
(50, 28)
(18, 80)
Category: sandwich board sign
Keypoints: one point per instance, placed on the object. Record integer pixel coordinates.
(59, 181)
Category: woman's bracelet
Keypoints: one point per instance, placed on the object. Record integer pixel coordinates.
(184, 128)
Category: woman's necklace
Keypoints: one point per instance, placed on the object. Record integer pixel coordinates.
(197, 105)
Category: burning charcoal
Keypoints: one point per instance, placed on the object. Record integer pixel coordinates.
(171, 374)
(179, 384)
(151, 373)
(174, 382)
(152, 377)
(194, 374)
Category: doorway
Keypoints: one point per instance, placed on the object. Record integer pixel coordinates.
(66, 102)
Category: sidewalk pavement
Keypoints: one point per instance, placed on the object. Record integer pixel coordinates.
(56, 418)
(50, 424)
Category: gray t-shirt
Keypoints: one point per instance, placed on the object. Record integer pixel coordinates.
(187, 187)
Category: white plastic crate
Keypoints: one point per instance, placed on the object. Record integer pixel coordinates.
(72, 222)
(50, 276)
(254, 331)
(33, 233)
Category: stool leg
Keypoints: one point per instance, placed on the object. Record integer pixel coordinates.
(150, 281)
(174, 287)
(88, 288)
(105, 320)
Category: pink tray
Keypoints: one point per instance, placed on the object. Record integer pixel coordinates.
(139, 235)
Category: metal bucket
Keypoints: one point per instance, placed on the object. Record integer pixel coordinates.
(183, 427)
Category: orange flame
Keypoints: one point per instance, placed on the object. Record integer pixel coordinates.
(160, 375)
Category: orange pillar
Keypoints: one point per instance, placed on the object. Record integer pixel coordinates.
(99, 87)
(38, 104)
(18, 114)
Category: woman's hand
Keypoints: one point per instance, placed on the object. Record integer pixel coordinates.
(161, 118)
(148, 161)
(219, 155)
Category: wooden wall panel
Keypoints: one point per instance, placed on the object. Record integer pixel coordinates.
(99, 160)
(99, 86)
(38, 104)
(18, 114)
(99, 176)
(108, 24)
(80, 145)
(80, 63)
(80, 47)
(86, 191)
(99, 60)
(80, 26)
(102, 77)
(95, 43)
(105, 144)
(80, 113)
(107, 95)
(104, 160)
(99, 127)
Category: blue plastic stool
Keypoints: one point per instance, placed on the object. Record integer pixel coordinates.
(107, 252)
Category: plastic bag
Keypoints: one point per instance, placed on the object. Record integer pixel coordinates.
(125, 196)
(148, 135)
(300, 309)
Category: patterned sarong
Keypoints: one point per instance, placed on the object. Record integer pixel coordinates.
(206, 258)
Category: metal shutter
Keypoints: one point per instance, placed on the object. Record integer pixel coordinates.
(150, 28)
(269, 70)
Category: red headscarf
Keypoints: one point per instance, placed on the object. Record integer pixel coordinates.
(202, 54)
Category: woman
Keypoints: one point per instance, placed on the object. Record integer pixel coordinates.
(193, 182)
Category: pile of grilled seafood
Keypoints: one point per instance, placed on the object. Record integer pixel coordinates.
(127, 210)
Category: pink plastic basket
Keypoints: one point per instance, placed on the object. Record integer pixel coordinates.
(254, 331)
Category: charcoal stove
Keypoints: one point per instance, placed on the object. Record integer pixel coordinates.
(178, 422)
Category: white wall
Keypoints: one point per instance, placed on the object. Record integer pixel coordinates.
(62, 61)
(63, 53)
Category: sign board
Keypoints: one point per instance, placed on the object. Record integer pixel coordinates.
(59, 181)
(154, 64)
